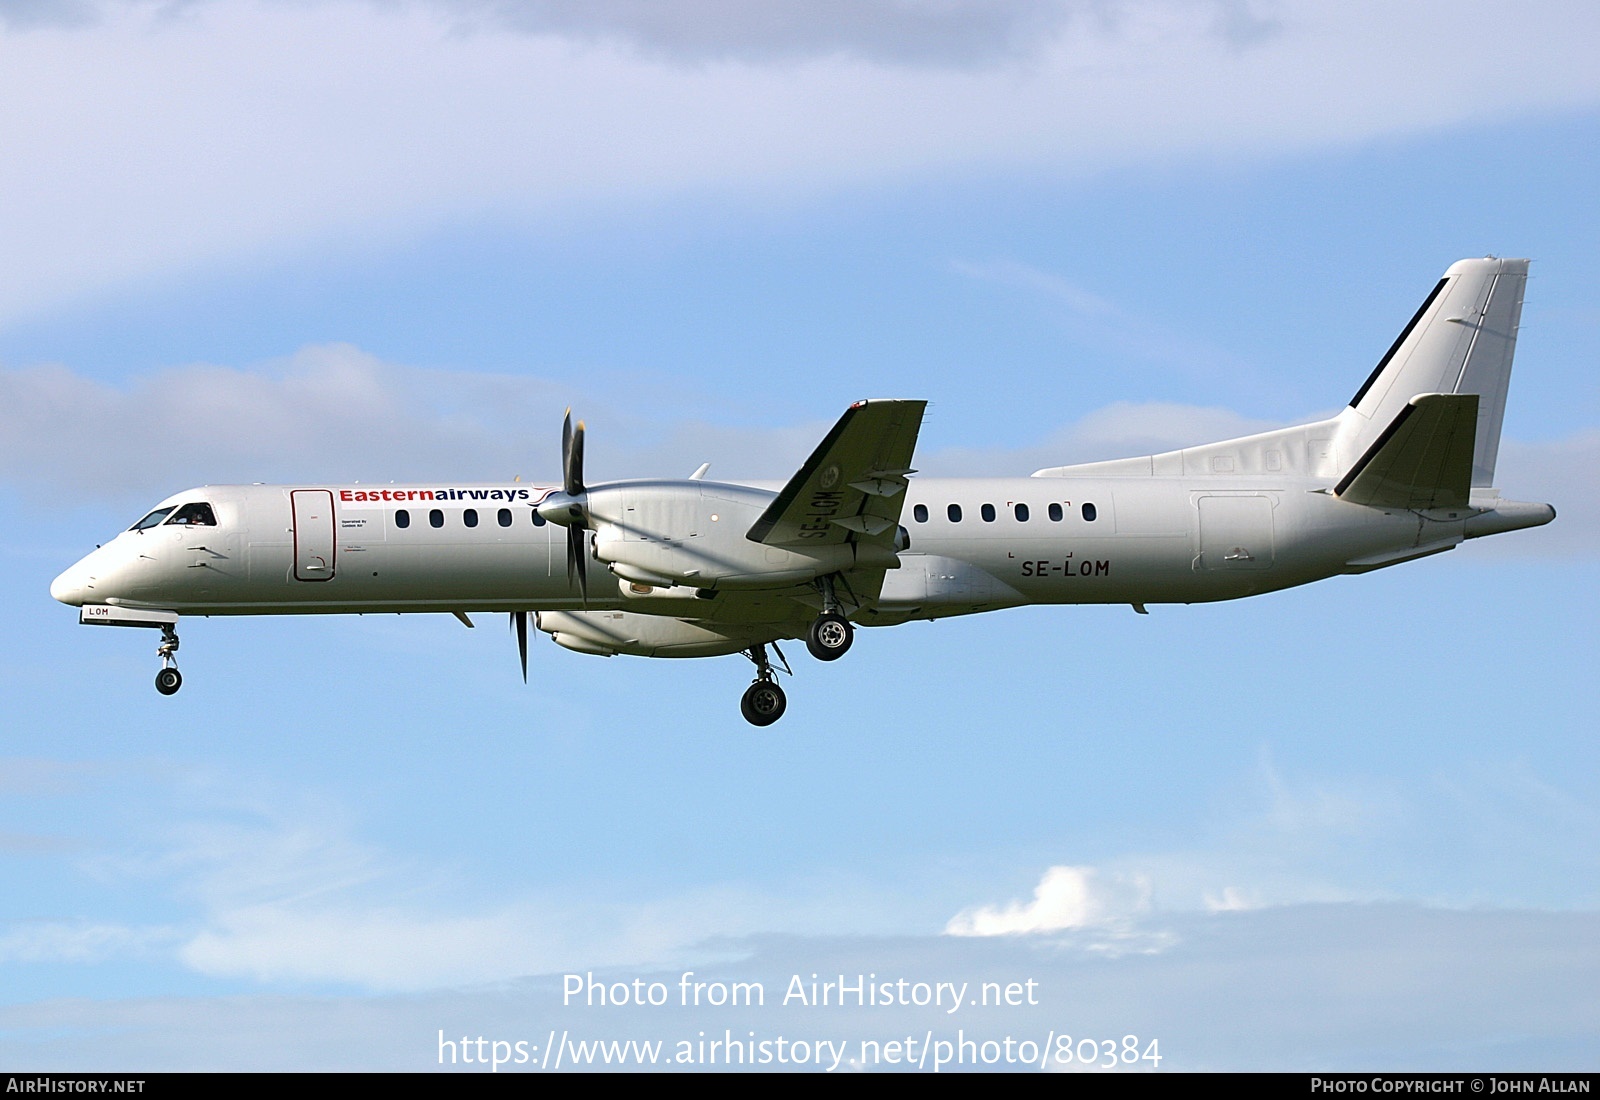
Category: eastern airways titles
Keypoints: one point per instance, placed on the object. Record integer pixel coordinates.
(360, 496)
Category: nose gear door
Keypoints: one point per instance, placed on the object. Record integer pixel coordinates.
(313, 534)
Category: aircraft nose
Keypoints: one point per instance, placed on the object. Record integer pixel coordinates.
(69, 588)
(79, 584)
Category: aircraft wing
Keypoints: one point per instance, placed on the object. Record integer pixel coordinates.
(852, 487)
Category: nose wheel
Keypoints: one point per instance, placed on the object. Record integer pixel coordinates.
(763, 703)
(169, 679)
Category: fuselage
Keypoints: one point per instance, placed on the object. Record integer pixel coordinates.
(973, 544)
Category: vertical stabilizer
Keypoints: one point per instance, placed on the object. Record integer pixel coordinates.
(1460, 342)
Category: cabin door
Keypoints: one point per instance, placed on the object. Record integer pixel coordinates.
(313, 534)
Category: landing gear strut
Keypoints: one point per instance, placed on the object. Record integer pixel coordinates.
(763, 702)
(169, 679)
(831, 634)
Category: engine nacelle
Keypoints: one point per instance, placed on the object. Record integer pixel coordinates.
(663, 533)
(607, 633)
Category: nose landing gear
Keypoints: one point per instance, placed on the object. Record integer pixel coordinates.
(169, 679)
(764, 701)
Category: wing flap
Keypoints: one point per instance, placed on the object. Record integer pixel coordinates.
(1422, 460)
(853, 485)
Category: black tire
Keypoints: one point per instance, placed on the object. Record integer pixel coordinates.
(763, 703)
(830, 636)
(168, 681)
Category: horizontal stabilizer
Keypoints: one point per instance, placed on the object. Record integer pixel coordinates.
(853, 485)
(1422, 460)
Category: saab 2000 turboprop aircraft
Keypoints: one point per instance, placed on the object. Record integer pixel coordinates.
(698, 568)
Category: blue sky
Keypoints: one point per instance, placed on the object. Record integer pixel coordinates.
(1351, 825)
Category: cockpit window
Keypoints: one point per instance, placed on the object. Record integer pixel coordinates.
(152, 519)
(197, 514)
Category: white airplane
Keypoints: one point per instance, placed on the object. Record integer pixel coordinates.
(698, 568)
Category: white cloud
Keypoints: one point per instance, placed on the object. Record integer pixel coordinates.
(1229, 900)
(1066, 898)
(159, 139)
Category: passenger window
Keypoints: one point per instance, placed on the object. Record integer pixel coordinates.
(436, 517)
(198, 514)
(538, 520)
(402, 519)
(1022, 513)
(920, 513)
(1089, 512)
(987, 511)
(504, 516)
(152, 519)
(1055, 513)
(954, 512)
(470, 517)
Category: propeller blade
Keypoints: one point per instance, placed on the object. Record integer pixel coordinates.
(519, 623)
(566, 445)
(576, 520)
(572, 456)
(577, 538)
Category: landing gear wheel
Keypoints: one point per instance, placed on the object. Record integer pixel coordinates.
(763, 703)
(168, 681)
(830, 636)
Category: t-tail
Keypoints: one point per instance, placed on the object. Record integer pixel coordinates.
(1423, 432)
(1459, 342)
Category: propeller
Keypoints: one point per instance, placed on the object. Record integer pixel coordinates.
(519, 623)
(569, 508)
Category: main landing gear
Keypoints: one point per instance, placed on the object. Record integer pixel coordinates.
(831, 634)
(828, 639)
(764, 701)
(169, 679)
